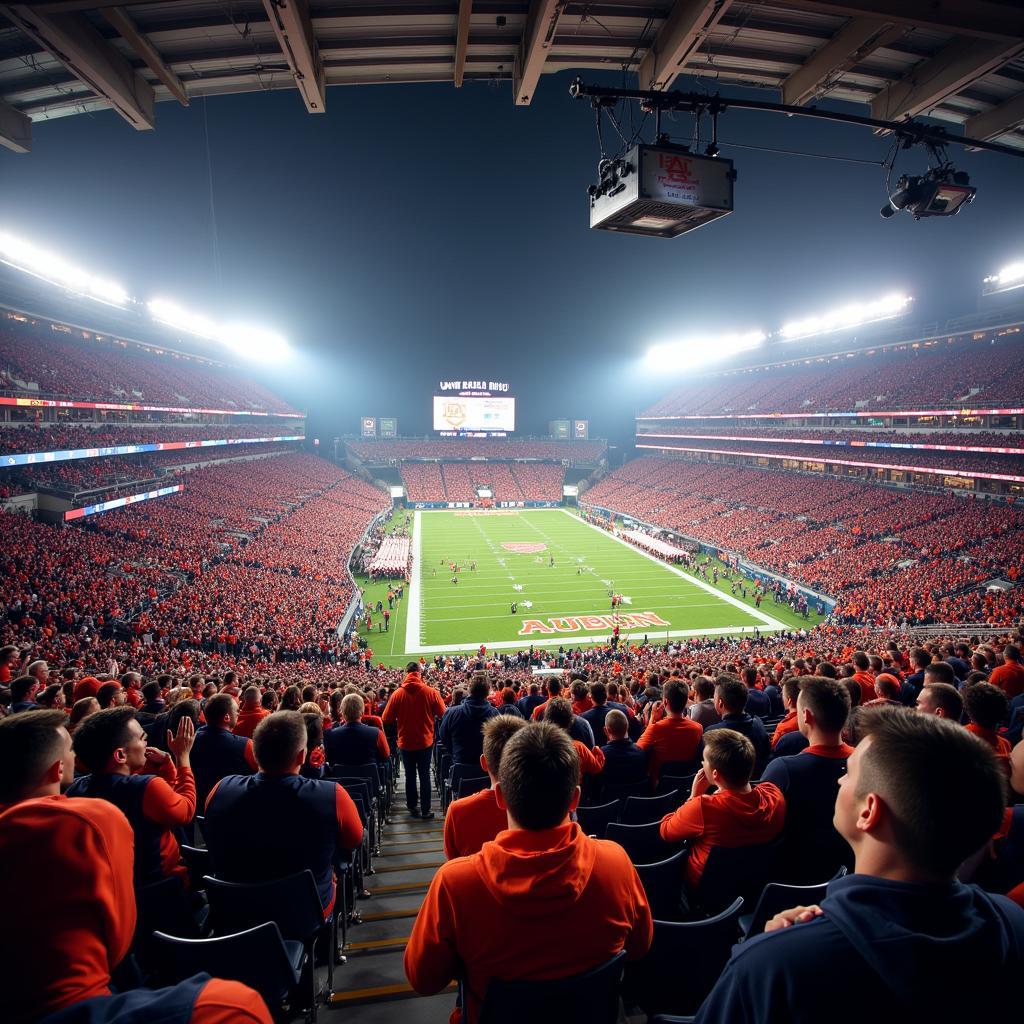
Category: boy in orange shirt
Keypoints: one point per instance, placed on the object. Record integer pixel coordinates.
(542, 877)
(737, 815)
(477, 819)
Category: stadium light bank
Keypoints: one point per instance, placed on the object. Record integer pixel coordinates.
(693, 352)
(54, 269)
(250, 341)
(1010, 277)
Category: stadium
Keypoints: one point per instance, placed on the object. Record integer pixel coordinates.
(447, 582)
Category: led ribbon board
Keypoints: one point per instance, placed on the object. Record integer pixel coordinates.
(107, 506)
(36, 458)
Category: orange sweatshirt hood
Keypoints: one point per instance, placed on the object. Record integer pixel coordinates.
(536, 874)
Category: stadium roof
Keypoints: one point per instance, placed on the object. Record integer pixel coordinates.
(957, 60)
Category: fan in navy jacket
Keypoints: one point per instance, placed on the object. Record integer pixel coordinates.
(893, 940)
(730, 701)
(624, 762)
(355, 742)
(461, 729)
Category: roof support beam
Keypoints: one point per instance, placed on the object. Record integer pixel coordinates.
(462, 40)
(858, 38)
(15, 129)
(538, 38)
(294, 30)
(140, 44)
(998, 121)
(681, 34)
(953, 68)
(90, 58)
(981, 18)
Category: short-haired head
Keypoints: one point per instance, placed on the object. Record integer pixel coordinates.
(278, 742)
(942, 788)
(539, 776)
(497, 732)
(732, 692)
(31, 745)
(731, 754)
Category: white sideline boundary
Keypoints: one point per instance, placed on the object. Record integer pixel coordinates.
(413, 636)
(728, 598)
(412, 621)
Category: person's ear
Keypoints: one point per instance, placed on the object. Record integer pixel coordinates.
(499, 797)
(483, 764)
(55, 773)
(870, 815)
(120, 755)
(575, 801)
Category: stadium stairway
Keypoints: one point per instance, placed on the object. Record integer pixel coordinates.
(371, 988)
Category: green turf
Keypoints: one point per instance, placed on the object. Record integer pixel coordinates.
(453, 617)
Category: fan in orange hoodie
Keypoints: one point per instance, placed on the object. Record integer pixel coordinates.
(541, 877)
(72, 935)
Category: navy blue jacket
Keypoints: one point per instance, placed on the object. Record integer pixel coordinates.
(624, 763)
(812, 849)
(127, 792)
(216, 754)
(599, 712)
(758, 703)
(751, 727)
(884, 951)
(352, 743)
(260, 827)
(461, 729)
(172, 1005)
(529, 702)
(792, 743)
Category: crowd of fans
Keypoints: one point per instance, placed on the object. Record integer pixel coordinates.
(460, 481)
(982, 372)
(887, 773)
(886, 555)
(479, 448)
(47, 362)
(246, 566)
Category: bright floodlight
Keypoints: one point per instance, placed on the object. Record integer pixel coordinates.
(251, 342)
(52, 268)
(254, 342)
(854, 314)
(173, 315)
(692, 352)
(1010, 277)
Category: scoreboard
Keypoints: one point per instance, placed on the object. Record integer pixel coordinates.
(474, 408)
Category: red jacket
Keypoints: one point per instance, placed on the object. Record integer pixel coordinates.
(787, 725)
(414, 705)
(248, 720)
(471, 822)
(73, 931)
(1009, 677)
(726, 818)
(671, 739)
(529, 905)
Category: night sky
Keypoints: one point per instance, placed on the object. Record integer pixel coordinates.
(416, 233)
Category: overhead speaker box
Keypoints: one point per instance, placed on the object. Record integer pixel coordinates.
(663, 191)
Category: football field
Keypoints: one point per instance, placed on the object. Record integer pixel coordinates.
(560, 573)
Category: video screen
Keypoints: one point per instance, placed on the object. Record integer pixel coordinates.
(463, 414)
